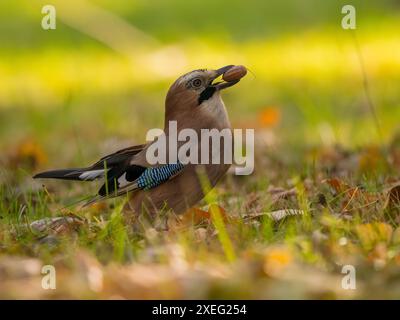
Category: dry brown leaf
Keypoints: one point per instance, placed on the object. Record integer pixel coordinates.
(283, 194)
(336, 184)
(353, 197)
(194, 216)
(393, 197)
(252, 200)
(57, 225)
(222, 212)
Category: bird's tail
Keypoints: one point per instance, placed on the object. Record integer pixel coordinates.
(80, 174)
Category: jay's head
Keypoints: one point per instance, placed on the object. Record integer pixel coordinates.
(198, 88)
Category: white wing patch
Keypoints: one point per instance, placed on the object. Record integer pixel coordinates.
(122, 182)
(92, 174)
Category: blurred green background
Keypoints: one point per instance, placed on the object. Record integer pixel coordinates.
(102, 75)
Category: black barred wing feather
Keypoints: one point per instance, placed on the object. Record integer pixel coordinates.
(121, 180)
(105, 166)
(120, 176)
(136, 177)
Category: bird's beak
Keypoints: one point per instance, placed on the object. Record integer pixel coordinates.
(221, 84)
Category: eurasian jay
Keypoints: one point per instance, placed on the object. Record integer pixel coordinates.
(193, 101)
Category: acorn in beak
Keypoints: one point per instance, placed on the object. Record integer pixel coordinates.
(231, 75)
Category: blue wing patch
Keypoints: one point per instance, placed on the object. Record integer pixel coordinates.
(152, 177)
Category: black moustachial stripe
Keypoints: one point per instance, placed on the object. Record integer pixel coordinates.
(206, 94)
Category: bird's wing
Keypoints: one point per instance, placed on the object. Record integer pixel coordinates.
(97, 170)
(123, 171)
(136, 173)
(132, 177)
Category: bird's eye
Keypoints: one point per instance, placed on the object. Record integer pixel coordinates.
(196, 83)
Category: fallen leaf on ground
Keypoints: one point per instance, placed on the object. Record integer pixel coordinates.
(393, 197)
(280, 193)
(57, 225)
(196, 216)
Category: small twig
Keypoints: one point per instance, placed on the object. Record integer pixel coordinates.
(366, 205)
(351, 199)
(366, 86)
